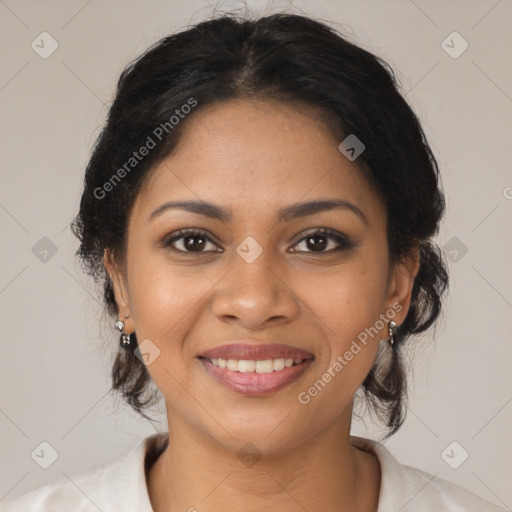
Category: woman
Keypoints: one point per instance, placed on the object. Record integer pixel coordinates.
(260, 208)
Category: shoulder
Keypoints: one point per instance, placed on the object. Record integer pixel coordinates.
(430, 492)
(87, 491)
(410, 489)
(113, 486)
(57, 496)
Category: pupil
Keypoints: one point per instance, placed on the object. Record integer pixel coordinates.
(192, 245)
(322, 245)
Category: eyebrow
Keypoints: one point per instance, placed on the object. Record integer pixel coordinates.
(286, 214)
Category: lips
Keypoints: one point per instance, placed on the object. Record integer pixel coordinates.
(289, 364)
(256, 351)
(255, 384)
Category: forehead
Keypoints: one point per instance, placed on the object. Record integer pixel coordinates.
(256, 156)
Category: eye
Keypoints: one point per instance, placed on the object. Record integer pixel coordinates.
(194, 241)
(318, 240)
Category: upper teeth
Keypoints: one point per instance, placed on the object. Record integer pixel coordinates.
(248, 366)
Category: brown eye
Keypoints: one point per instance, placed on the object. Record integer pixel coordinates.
(193, 241)
(317, 241)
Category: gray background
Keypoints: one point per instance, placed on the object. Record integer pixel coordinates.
(56, 354)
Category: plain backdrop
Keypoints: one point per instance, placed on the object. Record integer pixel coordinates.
(56, 351)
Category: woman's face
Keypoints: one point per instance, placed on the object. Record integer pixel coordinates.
(257, 277)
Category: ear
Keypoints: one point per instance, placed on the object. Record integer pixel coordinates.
(401, 282)
(120, 288)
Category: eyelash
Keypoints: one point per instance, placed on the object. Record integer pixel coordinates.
(342, 240)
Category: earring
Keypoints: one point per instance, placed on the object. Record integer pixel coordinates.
(125, 337)
(392, 327)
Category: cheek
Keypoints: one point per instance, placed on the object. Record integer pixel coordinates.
(352, 298)
(164, 305)
(350, 312)
(350, 304)
(171, 305)
(164, 300)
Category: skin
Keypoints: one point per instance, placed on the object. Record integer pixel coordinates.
(254, 158)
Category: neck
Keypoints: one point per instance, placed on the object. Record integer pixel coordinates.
(325, 472)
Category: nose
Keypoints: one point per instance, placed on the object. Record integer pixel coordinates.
(255, 295)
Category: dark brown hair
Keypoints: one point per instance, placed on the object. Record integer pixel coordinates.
(292, 59)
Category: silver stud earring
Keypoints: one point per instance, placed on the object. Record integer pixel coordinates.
(391, 329)
(125, 337)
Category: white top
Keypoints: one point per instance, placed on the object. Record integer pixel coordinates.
(120, 486)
